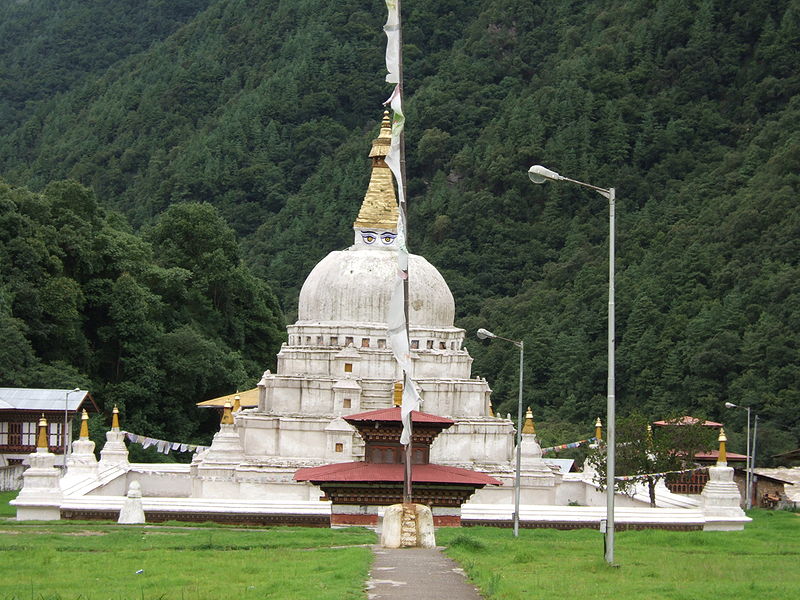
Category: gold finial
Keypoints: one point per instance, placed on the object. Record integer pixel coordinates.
(598, 429)
(649, 434)
(723, 454)
(41, 436)
(237, 403)
(84, 434)
(398, 393)
(381, 144)
(528, 427)
(491, 410)
(379, 208)
(227, 415)
(115, 418)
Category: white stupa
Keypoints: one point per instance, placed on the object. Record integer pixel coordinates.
(338, 361)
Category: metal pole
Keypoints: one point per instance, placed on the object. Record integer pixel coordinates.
(517, 478)
(753, 461)
(64, 431)
(611, 401)
(747, 503)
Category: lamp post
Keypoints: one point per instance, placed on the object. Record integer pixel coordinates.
(748, 500)
(540, 174)
(484, 334)
(64, 431)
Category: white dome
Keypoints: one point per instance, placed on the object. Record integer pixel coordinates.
(355, 286)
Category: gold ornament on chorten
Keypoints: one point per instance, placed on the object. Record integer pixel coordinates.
(398, 393)
(723, 454)
(41, 437)
(237, 403)
(115, 418)
(529, 426)
(598, 429)
(227, 415)
(84, 434)
(379, 209)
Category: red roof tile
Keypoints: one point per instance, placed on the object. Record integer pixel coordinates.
(393, 414)
(687, 420)
(714, 454)
(371, 472)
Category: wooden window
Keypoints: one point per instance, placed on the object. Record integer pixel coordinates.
(365, 342)
(415, 344)
(346, 403)
(29, 434)
(339, 447)
(429, 344)
(3, 433)
(348, 341)
(334, 341)
(442, 345)
(54, 434)
(381, 343)
(15, 434)
(348, 367)
(308, 340)
(319, 340)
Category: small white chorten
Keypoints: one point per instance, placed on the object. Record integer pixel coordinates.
(40, 497)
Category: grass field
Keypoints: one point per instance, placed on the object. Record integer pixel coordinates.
(761, 562)
(6, 510)
(69, 560)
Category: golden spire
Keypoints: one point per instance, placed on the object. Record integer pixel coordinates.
(723, 454)
(84, 434)
(41, 436)
(227, 415)
(115, 419)
(379, 208)
(528, 427)
(598, 429)
(398, 393)
(237, 403)
(491, 410)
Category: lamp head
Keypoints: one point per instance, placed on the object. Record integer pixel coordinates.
(730, 405)
(540, 174)
(484, 334)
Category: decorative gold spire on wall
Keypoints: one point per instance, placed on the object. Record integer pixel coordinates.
(115, 419)
(379, 208)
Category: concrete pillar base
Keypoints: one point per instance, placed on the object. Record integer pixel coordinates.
(408, 526)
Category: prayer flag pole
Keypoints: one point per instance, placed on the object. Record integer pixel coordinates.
(408, 487)
(398, 322)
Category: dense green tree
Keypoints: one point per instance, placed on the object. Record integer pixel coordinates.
(264, 109)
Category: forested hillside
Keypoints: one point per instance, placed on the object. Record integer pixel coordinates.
(265, 108)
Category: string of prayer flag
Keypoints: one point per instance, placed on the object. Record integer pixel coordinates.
(162, 446)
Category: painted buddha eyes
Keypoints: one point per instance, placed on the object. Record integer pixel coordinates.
(387, 237)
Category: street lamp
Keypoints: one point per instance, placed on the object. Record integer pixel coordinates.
(485, 334)
(748, 494)
(64, 431)
(540, 174)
